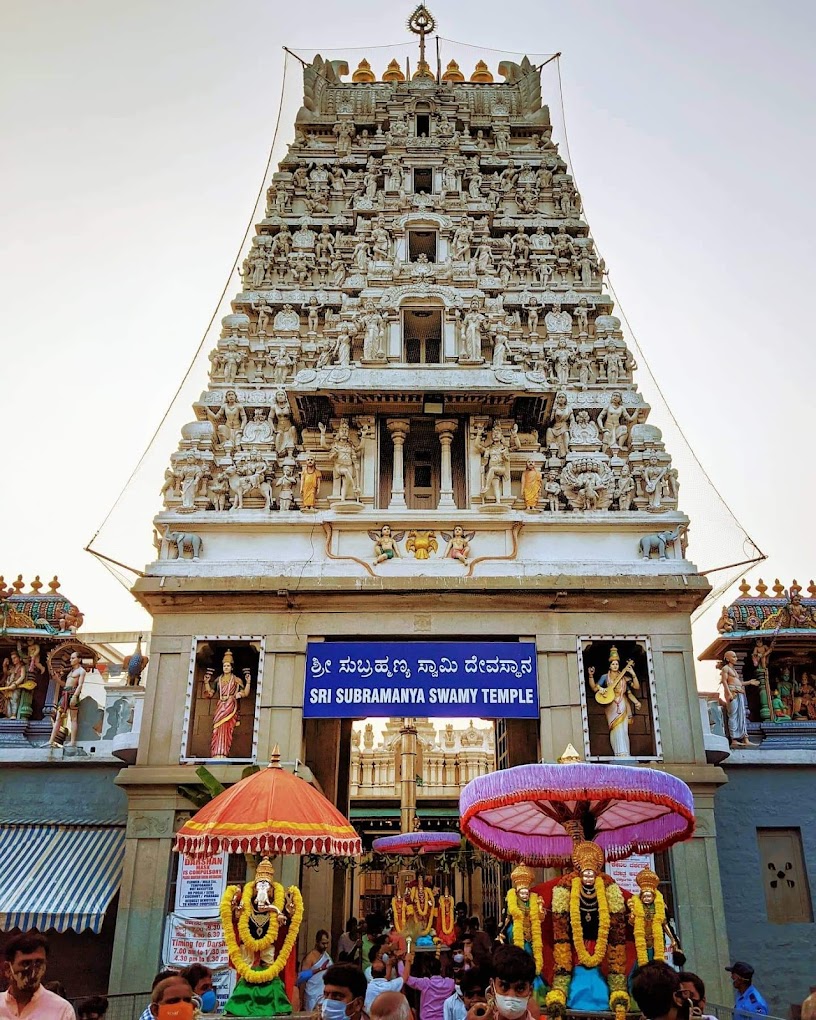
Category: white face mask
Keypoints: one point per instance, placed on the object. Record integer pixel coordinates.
(511, 1006)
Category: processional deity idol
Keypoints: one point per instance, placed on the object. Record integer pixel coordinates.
(614, 692)
(523, 922)
(229, 690)
(588, 937)
(261, 925)
(647, 916)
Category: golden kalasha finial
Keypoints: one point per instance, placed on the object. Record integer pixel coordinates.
(762, 589)
(423, 71)
(274, 758)
(421, 23)
(481, 74)
(778, 589)
(363, 72)
(36, 584)
(453, 73)
(3, 585)
(18, 585)
(811, 588)
(795, 588)
(569, 756)
(53, 584)
(745, 589)
(522, 877)
(393, 72)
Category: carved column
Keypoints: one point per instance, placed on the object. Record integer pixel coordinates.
(445, 430)
(399, 429)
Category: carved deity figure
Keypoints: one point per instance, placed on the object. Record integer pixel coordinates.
(258, 429)
(285, 483)
(345, 132)
(496, 457)
(562, 358)
(625, 488)
(18, 697)
(458, 547)
(67, 707)
(345, 459)
(652, 476)
(614, 421)
(584, 431)
(531, 483)
(552, 490)
(557, 435)
(229, 419)
(385, 544)
(229, 690)
(310, 479)
(189, 473)
(286, 437)
(614, 691)
(558, 322)
(472, 329)
(372, 324)
(735, 701)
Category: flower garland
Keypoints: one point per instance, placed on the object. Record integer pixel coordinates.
(446, 914)
(264, 975)
(517, 913)
(584, 958)
(567, 934)
(401, 911)
(658, 912)
(267, 940)
(423, 909)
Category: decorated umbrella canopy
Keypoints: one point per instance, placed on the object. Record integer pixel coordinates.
(533, 813)
(270, 812)
(417, 843)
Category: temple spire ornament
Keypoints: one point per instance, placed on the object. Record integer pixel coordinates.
(422, 23)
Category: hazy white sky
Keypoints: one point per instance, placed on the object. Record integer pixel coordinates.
(135, 137)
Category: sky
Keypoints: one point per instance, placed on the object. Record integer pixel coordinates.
(135, 139)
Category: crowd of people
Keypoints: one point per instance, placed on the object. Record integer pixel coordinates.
(378, 976)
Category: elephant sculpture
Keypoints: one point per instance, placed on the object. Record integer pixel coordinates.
(658, 541)
(184, 540)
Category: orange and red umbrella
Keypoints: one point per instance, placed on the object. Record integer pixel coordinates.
(270, 812)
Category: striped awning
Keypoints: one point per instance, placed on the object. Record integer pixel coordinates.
(56, 877)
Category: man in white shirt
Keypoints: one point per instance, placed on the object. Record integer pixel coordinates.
(384, 978)
(26, 999)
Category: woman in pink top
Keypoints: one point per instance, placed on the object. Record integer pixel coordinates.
(433, 990)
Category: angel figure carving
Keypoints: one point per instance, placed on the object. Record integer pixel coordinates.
(458, 547)
(385, 543)
(421, 544)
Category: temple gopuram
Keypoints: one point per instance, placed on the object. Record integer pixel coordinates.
(766, 834)
(419, 482)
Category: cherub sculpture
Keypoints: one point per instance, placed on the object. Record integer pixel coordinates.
(385, 543)
(458, 547)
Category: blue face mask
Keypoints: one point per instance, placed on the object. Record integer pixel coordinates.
(331, 1009)
(209, 1000)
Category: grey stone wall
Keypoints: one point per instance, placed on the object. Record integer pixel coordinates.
(759, 796)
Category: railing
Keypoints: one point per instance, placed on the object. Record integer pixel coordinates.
(729, 1013)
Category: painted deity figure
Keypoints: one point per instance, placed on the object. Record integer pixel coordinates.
(496, 457)
(647, 917)
(458, 547)
(523, 922)
(735, 701)
(422, 902)
(18, 698)
(310, 479)
(531, 483)
(261, 924)
(614, 691)
(589, 937)
(67, 706)
(345, 459)
(385, 545)
(229, 690)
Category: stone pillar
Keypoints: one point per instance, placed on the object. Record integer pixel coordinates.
(445, 430)
(399, 429)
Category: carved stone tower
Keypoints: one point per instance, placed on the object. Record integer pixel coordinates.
(420, 421)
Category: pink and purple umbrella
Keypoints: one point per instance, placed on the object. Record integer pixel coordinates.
(531, 813)
(415, 843)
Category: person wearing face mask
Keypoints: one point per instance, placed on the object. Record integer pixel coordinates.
(26, 960)
(693, 989)
(344, 988)
(201, 982)
(656, 989)
(512, 985)
(470, 990)
(384, 977)
(170, 992)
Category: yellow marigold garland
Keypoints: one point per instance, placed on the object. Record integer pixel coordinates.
(245, 970)
(639, 912)
(516, 912)
(584, 958)
(420, 915)
(401, 911)
(445, 908)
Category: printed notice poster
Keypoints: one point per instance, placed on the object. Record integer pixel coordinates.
(201, 883)
(624, 871)
(194, 940)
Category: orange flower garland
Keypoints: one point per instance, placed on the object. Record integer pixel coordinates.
(446, 917)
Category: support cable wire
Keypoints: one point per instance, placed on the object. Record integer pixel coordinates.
(641, 353)
(197, 352)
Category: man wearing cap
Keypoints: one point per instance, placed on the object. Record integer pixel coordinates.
(747, 999)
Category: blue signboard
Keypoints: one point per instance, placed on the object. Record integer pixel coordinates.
(486, 679)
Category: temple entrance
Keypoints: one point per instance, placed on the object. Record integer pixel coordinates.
(422, 459)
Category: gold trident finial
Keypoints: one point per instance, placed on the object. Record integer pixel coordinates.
(421, 23)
